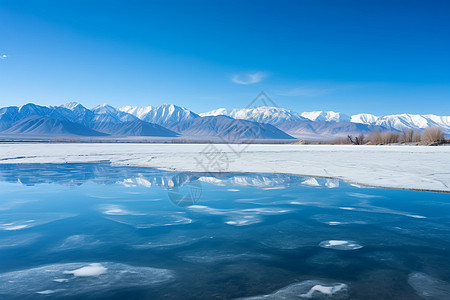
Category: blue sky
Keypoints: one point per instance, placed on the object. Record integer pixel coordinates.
(381, 57)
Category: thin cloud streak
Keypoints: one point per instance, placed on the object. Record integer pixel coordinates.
(250, 78)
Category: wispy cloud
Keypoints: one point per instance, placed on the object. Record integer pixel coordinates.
(249, 78)
(3, 56)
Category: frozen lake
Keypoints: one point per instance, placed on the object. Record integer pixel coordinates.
(93, 230)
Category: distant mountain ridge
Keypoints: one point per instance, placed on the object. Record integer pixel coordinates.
(278, 116)
(171, 121)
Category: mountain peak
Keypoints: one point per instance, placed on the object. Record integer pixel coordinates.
(166, 114)
(71, 105)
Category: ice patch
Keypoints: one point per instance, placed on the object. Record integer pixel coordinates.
(363, 196)
(47, 292)
(23, 221)
(116, 210)
(172, 239)
(94, 269)
(332, 183)
(152, 220)
(233, 190)
(326, 290)
(340, 245)
(82, 278)
(18, 240)
(311, 182)
(214, 256)
(429, 287)
(347, 208)
(310, 289)
(78, 241)
(243, 220)
(239, 217)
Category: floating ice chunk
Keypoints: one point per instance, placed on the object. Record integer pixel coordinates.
(116, 210)
(348, 218)
(233, 190)
(416, 216)
(13, 226)
(429, 287)
(332, 183)
(311, 182)
(326, 290)
(82, 278)
(333, 223)
(239, 217)
(243, 220)
(47, 292)
(356, 185)
(274, 188)
(340, 245)
(94, 269)
(364, 196)
(310, 289)
(347, 208)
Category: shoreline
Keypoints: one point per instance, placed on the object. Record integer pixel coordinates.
(416, 168)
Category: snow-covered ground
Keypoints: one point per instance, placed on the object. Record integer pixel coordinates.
(408, 167)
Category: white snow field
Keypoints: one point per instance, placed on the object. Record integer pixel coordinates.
(404, 167)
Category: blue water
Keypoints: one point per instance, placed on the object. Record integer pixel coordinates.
(96, 231)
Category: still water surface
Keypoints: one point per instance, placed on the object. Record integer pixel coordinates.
(96, 231)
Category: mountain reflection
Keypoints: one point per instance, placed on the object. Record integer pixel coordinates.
(74, 174)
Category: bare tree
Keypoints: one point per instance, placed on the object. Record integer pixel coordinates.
(389, 137)
(340, 141)
(416, 137)
(406, 136)
(358, 140)
(432, 136)
(375, 137)
(362, 139)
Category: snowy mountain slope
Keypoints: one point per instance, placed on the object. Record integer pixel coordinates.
(263, 114)
(172, 119)
(107, 114)
(228, 129)
(404, 121)
(279, 116)
(134, 128)
(75, 119)
(164, 115)
(326, 130)
(77, 113)
(45, 126)
(329, 116)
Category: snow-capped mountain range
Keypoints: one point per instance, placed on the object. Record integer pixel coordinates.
(279, 116)
(175, 122)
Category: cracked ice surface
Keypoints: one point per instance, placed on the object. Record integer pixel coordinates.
(408, 167)
(79, 278)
